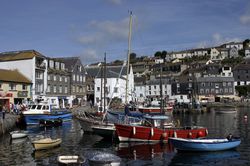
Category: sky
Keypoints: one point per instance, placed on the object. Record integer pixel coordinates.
(90, 28)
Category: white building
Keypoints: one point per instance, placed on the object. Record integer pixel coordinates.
(115, 85)
(31, 64)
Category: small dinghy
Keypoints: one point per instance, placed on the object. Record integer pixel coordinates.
(18, 134)
(103, 158)
(204, 144)
(46, 143)
(70, 160)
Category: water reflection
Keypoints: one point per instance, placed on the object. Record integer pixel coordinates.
(145, 151)
(206, 158)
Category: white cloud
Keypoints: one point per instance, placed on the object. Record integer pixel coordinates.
(219, 39)
(245, 19)
(89, 55)
(105, 32)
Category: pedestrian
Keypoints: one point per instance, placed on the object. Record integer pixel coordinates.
(3, 112)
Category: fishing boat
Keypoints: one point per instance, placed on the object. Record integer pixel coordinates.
(155, 110)
(46, 143)
(157, 128)
(18, 134)
(106, 131)
(70, 160)
(44, 110)
(203, 145)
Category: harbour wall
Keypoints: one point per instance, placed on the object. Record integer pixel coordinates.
(8, 123)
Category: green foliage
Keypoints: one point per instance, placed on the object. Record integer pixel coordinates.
(158, 54)
(243, 90)
(232, 61)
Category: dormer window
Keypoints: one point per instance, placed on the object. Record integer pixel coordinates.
(51, 64)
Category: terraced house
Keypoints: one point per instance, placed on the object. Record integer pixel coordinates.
(14, 88)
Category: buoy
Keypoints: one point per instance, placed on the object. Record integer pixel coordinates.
(134, 130)
(164, 135)
(190, 135)
(175, 134)
(152, 132)
(199, 134)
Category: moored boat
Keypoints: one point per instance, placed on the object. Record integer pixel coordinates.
(70, 160)
(46, 143)
(44, 110)
(208, 144)
(157, 128)
(18, 134)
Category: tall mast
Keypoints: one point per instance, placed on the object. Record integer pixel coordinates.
(105, 82)
(128, 58)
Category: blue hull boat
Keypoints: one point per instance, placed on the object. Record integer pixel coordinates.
(204, 144)
(35, 118)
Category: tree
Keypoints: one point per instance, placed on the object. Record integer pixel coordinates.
(158, 54)
(163, 54)
(133, 56)
(246, 43)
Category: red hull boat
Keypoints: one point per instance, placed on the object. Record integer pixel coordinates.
(155, 110)
(154, 130)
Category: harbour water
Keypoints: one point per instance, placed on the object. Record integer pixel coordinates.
(75, 142)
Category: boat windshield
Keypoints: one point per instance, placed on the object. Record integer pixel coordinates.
(33, 107)
(39, 107)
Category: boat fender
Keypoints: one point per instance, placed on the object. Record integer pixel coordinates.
(134, 130)
(199, 134)
(152, 132)
(175, 134)
(164, 135)
(190, 135)
(206, 132)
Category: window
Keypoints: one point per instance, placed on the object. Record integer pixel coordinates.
(77, 78)
(203, 84)
(48, 88)
(49, 77)
(62, 66)
(216, 85)
(60, 78)
(39, 75)
(201, 91)
(98, 89)
(24, 87)
(54, 89)
(66, 79)
(230, 84)
(81, 80)
(51, 64)
(224, 84)
(66, 89)
(60, 89)
(155, 86)
(73, 89)
(74, 77)
(54, 77)
(115, 90)
(12, 86)
(57, 65)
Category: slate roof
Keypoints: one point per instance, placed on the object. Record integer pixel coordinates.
(215, 79)
(19, 55)
(112, 71)
(69, 62)
(13, 76)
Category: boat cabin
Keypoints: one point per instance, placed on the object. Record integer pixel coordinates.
(160, 121)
